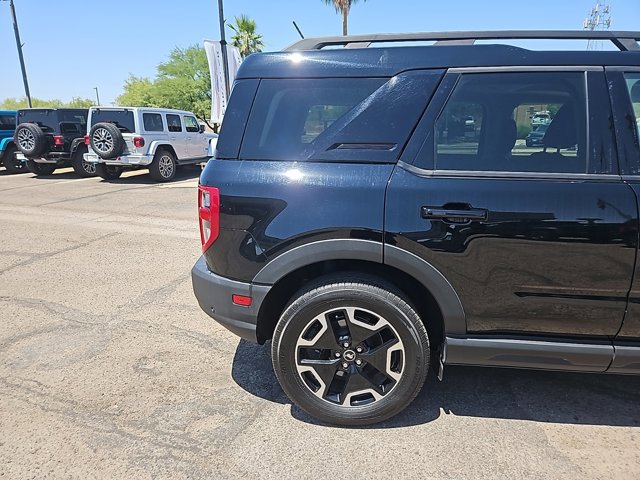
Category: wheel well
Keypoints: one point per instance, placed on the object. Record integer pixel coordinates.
(283, 291)
(168, 147)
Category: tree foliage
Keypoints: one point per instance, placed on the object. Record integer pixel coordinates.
(343, 7)
(16, 103)
(182, 82)
(246, 37)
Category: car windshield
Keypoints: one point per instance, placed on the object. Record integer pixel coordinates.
(123, 119)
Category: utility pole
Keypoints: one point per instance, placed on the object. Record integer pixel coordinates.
(19, 45)
(223, 46)
(97, 95)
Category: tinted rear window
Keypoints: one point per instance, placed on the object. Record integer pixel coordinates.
(55, 120)
(7, 122)
(289, 115)
(123, 119)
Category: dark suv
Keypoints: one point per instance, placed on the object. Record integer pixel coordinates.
(355, 215)
(48, 138)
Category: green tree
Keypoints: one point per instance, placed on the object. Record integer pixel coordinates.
(246, 38)
(343, 7)
(182, 82)
(16, 103)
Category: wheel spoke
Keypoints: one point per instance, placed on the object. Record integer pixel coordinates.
(380, 357)
(362, 324)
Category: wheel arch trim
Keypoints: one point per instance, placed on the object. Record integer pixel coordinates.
(355, 249)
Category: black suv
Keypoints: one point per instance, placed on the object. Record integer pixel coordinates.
(377, 210)
(48, 138)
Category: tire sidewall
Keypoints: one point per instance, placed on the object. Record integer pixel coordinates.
(39, 139)
(11, 163)
(400, 315)
(154, 169)
(116, 134)
(78, 163)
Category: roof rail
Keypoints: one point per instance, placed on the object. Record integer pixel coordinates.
(625, 41)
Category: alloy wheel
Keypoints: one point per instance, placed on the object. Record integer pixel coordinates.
(166, 166)
(26, 140)
(350, 356)
(102, 140)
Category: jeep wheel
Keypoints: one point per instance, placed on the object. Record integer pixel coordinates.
(108, 172)
(11, 163)
(40, 168)
(106, 140)
(350, 350)
(80, 166)
(163, 167)
(30, 139)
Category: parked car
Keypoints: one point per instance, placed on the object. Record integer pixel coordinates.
(540, 118)
(375, 247)
(160, 139)
(534, 138)
(49, 138)
(8, 147)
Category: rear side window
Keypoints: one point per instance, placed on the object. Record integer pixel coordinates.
(152, 122)
(123, 119)
(7, 122)
(288, 115)
(515, 122)
(173, 123)
(633, 85)
(331, 119)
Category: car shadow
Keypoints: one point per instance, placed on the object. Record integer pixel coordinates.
(142, 177)
(550, 397)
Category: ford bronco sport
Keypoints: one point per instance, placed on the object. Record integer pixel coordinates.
(8, 147)
(49, 138)
(354, 217)
(133, 137)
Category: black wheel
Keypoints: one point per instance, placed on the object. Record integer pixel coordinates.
(108, 172)
(164, 166)
(80, 166)
(11, 163)
(350, 350)
(40, 168)
(106, 140)
(30, 139)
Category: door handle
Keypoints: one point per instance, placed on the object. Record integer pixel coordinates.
(453, 215)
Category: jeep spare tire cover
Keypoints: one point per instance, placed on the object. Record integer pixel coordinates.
(30, 139)
(106, 140)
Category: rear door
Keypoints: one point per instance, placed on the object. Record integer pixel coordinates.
(625, 96)
(537, 241)
(177, 135)
(197, 144)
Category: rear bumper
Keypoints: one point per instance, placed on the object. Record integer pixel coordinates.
(123, 160)
(51, 158)
(214, 292)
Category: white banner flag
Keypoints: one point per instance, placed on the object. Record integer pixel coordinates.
(218, 96)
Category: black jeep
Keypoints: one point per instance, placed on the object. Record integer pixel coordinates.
(49, 138)
(377, 210)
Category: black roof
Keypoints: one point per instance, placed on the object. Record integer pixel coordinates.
(386, 62)
(307, 58)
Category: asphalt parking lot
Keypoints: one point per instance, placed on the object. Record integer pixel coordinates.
(109, 369)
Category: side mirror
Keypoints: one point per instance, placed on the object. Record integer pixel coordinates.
(201, 128)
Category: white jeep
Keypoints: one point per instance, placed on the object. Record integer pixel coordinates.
(133, 137)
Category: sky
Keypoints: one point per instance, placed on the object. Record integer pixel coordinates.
(72, 46)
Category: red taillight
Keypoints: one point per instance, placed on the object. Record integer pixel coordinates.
(87, 140)
(138, 142)
(208, 215)
(58, 140)
(241, 300)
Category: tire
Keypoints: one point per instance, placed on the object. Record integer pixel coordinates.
(80, 166)
(106, 140)
(108, 172)
(164, 166)
(11, 163)
(40, 168)
(30, 139)
(338, 389)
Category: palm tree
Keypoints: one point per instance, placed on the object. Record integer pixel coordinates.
(246, 38)
(342, 6)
